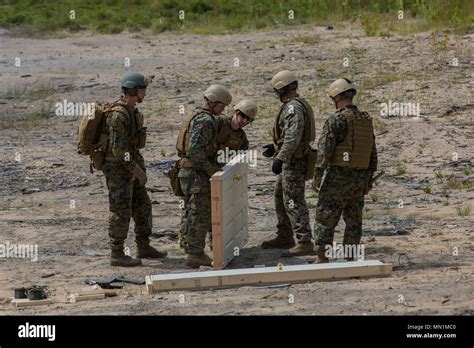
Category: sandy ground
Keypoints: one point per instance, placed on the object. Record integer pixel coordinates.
(429, 244)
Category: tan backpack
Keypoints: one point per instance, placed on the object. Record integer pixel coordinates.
(92, 126)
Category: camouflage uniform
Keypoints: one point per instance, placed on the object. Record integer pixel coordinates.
(126, 197)
(289, 195)
(194, 181)
(342, 191)
(226, 137)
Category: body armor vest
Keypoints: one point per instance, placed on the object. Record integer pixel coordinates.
(355, 150)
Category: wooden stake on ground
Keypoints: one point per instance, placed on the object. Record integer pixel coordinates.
(24, 302)
(266, 276)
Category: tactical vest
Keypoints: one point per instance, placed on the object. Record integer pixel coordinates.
(309, 133)
(227, 137)
(184, 136)
(354, 151)
(136, 134)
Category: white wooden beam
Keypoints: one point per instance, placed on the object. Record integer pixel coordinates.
(229, 211)
(265, 276)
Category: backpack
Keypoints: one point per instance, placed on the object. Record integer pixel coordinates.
(93, 126)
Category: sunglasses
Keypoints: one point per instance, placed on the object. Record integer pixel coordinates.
(245, 117)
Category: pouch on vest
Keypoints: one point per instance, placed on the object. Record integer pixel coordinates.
(98, 159)
(174, 180)
(312, 155)
(142, 138)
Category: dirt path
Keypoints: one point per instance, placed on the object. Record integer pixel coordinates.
(72, 242)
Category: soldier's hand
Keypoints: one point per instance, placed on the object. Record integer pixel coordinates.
(277, 166)
(270, 150)
(140, 174)
(316, 183)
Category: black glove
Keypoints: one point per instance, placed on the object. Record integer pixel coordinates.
(270, 150)
(277, 165)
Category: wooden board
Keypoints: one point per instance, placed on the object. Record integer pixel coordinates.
(24, 302)
(229, 211)
(78, 298)
(265, 275)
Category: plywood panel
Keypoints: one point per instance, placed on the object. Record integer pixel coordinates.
(266, 275)
(229, 211)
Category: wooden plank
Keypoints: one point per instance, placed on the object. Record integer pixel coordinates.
(229, 211)
(266, 275)
(73, 298)
(24, 302)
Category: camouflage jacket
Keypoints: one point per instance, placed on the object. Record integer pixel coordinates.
(203, 144)
(122, 143)
(292, 124)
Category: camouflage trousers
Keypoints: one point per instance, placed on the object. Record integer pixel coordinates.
(127, 199)
(341, 193)
(196, 219)
(290, 204)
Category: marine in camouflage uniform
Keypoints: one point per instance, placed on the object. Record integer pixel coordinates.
(347, 154)
(230, 136)
(197, 146)
(292, 133)
(125, 173)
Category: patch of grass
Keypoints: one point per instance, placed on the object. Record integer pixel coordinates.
(468, 171)
(307, 39)
(371, 25)
(439, 175)
(374, 197)
(426, 189)
(464, 210)
(379, 125)
(446, 203)
(453, 183)
(268, 111)
(367, 214)
(400, 168)
(378, 17)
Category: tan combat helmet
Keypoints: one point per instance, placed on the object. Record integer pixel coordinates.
(283, 79)
(218, 93)
(248, 108)
(339, 86)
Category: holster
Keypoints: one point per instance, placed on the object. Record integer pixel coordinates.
(174, 180)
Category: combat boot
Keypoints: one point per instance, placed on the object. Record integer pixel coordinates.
(197, 260)
(320, 255)
(118, 258)
(279, 242)
(300, 249)
(146, 251)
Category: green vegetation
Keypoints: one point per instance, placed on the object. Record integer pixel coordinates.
(464, 210)
(426, 189)
(468, 170)
(378, 17)
(400, 169)
(374, 197)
